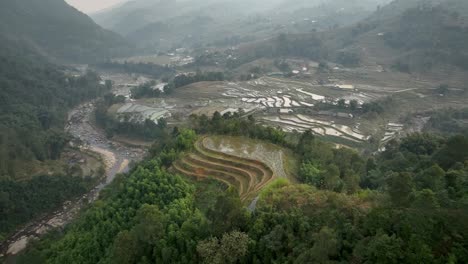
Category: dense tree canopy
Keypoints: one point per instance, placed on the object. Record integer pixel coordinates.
(35, 97)
(22, 201)
(404, 206)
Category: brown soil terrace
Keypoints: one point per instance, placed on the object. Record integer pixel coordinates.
(248, 176)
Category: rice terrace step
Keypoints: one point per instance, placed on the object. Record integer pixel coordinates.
(244, 164)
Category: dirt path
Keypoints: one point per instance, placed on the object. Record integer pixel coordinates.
(116, 158)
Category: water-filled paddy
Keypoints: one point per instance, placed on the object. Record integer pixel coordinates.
(276, 157)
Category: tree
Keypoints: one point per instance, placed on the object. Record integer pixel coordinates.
(310, 173)
(400, 188)
(306, 141)
(353, 105)
(342, 103)
(454, 151)
(326, 246)
(162, 123)
(426, 199)
(431, 178)
(150, 227)
(443, 89)
(228, 213)
(56, 142)
(384, 249)
(230, 249)
(323, 67)
(108, 84)
(126, 249)
(455, 180)
(332, 179)
(349, 58)
(351, 181)
(186, 139)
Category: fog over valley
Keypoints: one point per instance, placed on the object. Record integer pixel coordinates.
(233, 131)
(92, 6)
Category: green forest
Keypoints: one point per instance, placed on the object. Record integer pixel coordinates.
(432, 35)
(21, 201)
(234, 132)
(35, 97)
(405, 205)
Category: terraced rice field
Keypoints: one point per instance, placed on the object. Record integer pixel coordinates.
(139, 113)
(324, 128)
(241, 163)
(392, 130)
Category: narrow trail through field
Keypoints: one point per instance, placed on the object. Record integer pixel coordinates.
(116, 158)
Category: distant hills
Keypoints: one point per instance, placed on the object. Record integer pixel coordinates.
(58, 30)
(404, 35)
(159, 25)
(134, 15)
(411, 35)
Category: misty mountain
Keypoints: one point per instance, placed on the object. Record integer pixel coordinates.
(161, 24)
(340, 5)
(409, 35)
(133, 15)
(65, 33)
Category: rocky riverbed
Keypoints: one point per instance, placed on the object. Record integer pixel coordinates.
(116, 158)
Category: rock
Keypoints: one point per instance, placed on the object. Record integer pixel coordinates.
(18, 246)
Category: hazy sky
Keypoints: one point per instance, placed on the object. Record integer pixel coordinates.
(90, 6)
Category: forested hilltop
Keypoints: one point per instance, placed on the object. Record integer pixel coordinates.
(59, 30)
(406, 205)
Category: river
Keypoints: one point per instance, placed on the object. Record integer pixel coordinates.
(116, 158)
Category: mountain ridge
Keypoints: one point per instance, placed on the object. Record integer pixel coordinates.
(66, 34)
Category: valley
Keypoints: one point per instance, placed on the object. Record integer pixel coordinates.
(289, 103)
(332, 104)
(115, 157)
(228, 132)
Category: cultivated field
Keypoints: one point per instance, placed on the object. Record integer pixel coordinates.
(241, 163)
(295, 104)
(303, 123)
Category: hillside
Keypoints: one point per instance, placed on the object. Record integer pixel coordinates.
(191, 24)
(133, 15)
(408, 36)
(411, 36)
(406, 205)
(58, 30)
(35, 96)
